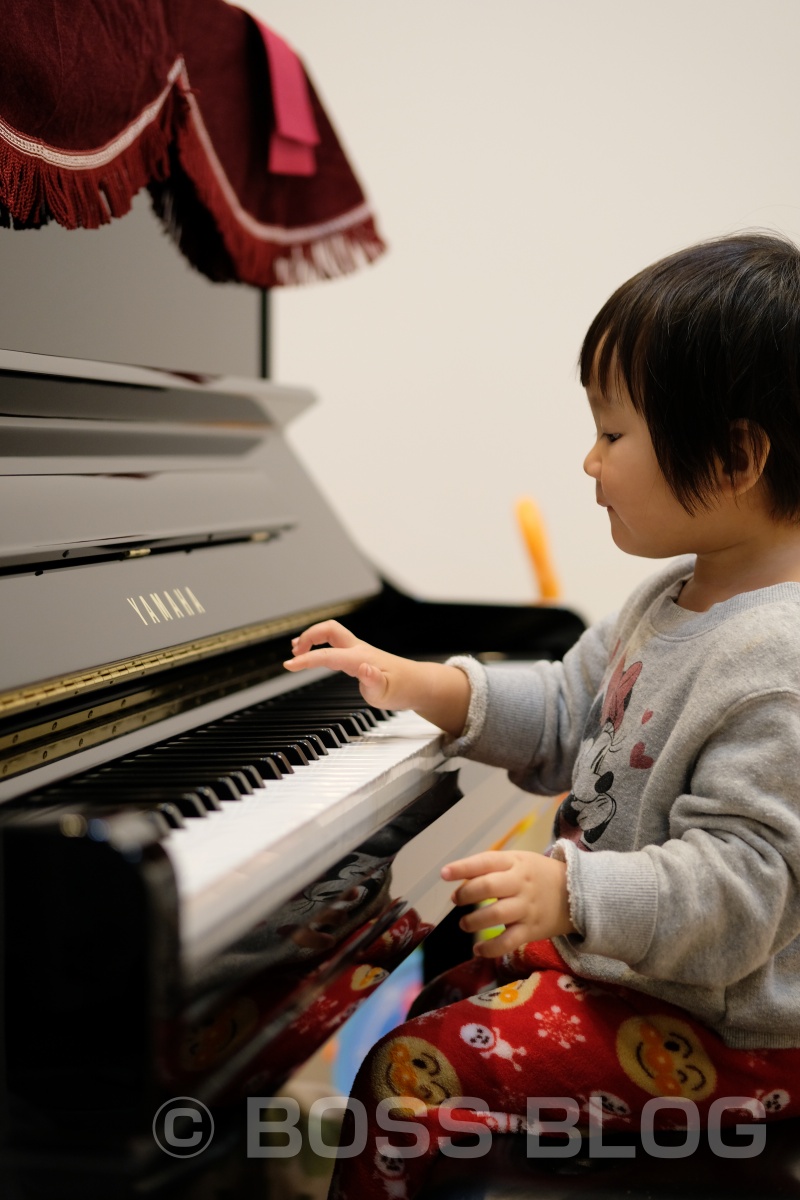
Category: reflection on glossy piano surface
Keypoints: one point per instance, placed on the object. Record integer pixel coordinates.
(207, 864)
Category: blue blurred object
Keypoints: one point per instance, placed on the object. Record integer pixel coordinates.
(385, 1009)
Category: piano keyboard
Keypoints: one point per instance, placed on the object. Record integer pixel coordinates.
(223, 864)
(247, 803)
(204, 852)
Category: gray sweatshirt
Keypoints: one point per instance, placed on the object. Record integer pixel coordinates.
(677, 735)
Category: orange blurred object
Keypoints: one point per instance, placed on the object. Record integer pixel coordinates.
(534, 534)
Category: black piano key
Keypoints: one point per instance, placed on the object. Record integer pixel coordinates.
(224, 765)
(333, 732)
(270, 764)
(157, 820)
(247, 778)
(311, 747)
(189, 804)
(275, 734)
(195, 764)
(295, 753)
(206, 797)
(270, 767)
(355, 722)
(298, 704)
(211, 771)
(171, 813)
(302, 751)
(336, 691)
(361, 718)
(227, 785)
(246, 775)
(328, 735)
(224, 787)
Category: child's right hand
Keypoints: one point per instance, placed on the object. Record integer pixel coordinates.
(384, 679)
(437, 692)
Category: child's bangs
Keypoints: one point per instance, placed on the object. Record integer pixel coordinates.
(618, 345)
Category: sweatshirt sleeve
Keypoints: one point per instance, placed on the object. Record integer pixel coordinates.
(721, 896)
(529, 719)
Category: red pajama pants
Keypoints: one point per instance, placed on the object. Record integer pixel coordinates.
(511, 1034)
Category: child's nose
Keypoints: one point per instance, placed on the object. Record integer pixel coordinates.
(591, 464)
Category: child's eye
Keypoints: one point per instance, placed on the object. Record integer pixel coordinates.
(612, 437)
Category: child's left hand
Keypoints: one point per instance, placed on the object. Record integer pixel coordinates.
(529, 894)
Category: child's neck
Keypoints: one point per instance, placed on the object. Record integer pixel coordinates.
(762, 560)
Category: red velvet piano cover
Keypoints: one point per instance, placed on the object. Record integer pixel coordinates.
(199, 102)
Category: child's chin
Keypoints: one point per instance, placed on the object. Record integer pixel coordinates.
(628, 544)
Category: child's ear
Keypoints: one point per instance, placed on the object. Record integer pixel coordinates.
(749, 451)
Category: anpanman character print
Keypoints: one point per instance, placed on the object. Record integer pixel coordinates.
(411, 1066)
(664, 1055)
(507, 995)
(526, 1028)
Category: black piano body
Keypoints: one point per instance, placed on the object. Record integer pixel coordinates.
(159, 545)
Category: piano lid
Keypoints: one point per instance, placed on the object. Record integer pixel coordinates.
(146, 514)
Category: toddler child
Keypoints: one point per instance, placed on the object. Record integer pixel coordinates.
(650, 961)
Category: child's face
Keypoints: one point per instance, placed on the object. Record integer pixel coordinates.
(646, 518)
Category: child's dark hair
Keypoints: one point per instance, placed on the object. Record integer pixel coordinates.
(703, 338)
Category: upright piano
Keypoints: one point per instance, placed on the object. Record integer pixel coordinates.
(207, 863)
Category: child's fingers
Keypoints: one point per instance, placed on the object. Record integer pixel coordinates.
(487, 916)
(486, 887)
(477, 864)
(506, 942)
(373, 683)
(329, 644)
(481, 875)
(327, 656)
(324, 631)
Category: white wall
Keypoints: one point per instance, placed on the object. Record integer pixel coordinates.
(524, 158)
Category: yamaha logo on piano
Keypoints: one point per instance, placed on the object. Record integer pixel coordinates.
(166, 606)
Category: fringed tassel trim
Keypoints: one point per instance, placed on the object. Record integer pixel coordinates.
(39, 183)
(270, 255)
(330, 257)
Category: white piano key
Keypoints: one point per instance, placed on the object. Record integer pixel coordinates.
(222, 862)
